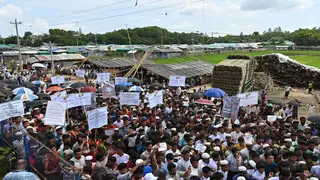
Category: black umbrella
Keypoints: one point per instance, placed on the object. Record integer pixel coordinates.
(315, 120)
(33, 78)
(156, 85)
(196, 96)
(2, 95)
(275, 102)
(28, 85)
(119, 88)
(6, 92)
(9, 81)
(43, 96)
(13, 86)
(294, 103)
(99, 90)
(3, 85)
(135, 80)
(77, 85)
(36, 103)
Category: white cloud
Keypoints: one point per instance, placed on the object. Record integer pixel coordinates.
(298, 5)
(10, 12)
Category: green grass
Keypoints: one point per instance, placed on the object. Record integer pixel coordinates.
(311, 58)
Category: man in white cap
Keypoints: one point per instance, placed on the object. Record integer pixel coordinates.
(287, 144)
(18, 143)
(207, 161)
(224, 168)
(246, 151)
(242, 172)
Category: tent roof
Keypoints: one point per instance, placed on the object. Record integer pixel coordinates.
(117, 63)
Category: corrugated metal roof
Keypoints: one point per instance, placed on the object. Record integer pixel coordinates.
(117, 63)
(189, 69)
(60, 57)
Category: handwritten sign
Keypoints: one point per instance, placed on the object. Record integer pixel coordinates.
(155, 98)
(129, 98)
(97, 117)
(108, 90)
(57, 79)
(103, 77)
(74, 100)
(11, 109)
(176, 81)
(80, 72)
(249, 98)
(55, 113)
(58, 96)
(200, 147)
(119, 80)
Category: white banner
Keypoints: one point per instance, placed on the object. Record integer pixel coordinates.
(74, 100)
(129, 98)
(118, 80)
(57, 79)
(155, 98)
(177, 81)
(249, 98)
(55, 113)
(80, 72)
(11, 109)
(103, 77)
(97, 117)
(59, 96)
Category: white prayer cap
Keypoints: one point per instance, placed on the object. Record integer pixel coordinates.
(241, 178)
(205, 156)
(223, 162)
(68, 152)
(58, 127)
(29, 127)
(173, 129)
(88, 158)
(248, 143)
(116, 129)
(142, 136)
(150, 176)
(288, 140)
(138, 161)
(216, 148)
(237, 121)
(265, 145)
(242, 168)
(252, 163)
(313, 178)
(228, 135)
(302, 162)
(207, 143)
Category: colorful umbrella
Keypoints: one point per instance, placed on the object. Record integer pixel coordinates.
(136, 89)
(204, 102)
(25, 97)
(54, 89)
(215, 92)
(22, 90)
(88, 89)
(41, 83)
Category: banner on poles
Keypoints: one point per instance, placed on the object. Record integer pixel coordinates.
(177, 81)
(155, 98)
(11, 109)
(129, 98)
(249, 98)
(97, 118)
(55, 113)
(108, 90)
(119, 80)
(230, 107)
(103, 77)
(74, 100)
(57, 79)
(80, 72)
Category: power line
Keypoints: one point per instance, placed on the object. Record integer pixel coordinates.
(125, 14)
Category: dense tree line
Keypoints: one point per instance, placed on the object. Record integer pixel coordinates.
(155, 35)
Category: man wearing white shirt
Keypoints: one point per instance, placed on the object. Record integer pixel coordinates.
(118, 122)
(259, 173)
(224, 168)
(207, 161)
(246, 151)
(78, 159)
(195, 170)
(169, 109)
(214, 134)
(121, 157)
(236, 133)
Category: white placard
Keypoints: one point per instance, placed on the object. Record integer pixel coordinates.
(119, 80)
(74, 100)
(97, 117)
(177, 81)
(272, 118)
(57, 79)
(249, 98)
(155, 98)
(162, 146)
(103, 77)
(55, 113)
(129, 98)
(11, 109)
(200, 147)
(58, 96)
(80, 72)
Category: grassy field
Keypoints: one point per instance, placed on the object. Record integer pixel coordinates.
(311, 58)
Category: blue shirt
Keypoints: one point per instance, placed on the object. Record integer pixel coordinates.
(270, 167)
(20, 175)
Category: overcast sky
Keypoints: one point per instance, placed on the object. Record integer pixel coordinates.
(207, 16)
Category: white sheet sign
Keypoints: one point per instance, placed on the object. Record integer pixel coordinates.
(58, 96)
(155, 98)
(55, 113)
(248, 98)
(177, 81)
(129, 98)
(11, 109)
(74, 100)
(119, 80)
(97, 117)
(272, 118)
(200, 147)
(80, 72)
(57, 79)
(103, 77)
(163, 146)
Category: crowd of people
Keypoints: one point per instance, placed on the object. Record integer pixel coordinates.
(179, 139)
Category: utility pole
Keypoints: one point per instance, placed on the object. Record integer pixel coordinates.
(52, 61)
(16, 23)
(95, 38)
